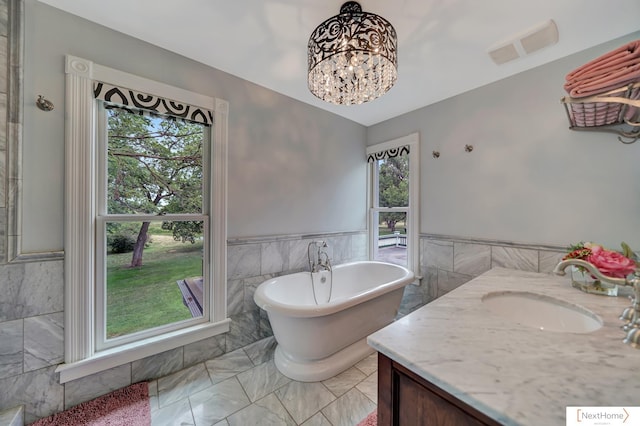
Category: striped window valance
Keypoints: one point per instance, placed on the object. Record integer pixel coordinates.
(139, 102)
(388, 153)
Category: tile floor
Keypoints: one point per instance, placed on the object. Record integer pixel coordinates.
(244, 387)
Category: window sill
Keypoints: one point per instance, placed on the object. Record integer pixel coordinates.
(111, 358)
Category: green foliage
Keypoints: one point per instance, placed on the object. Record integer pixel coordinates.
(122, 228)
(184, 230)
(155, 167)
(121, 243)
(393, 182)
(154, 164)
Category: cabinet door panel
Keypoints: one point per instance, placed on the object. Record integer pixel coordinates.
(418, 406)
(406, 399)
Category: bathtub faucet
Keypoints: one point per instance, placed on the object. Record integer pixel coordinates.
(319, 260)
(632, 314)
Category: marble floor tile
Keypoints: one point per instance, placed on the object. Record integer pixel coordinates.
(349, 409)
(267, 411)
(369, 364)
(369, 387)
(181, 384)
(303, 400)
(241, 394)
(178, 413)
(343, 382)
(318, 420)
(217, 402)
(261, 351)
(228, 365)
(262, 380)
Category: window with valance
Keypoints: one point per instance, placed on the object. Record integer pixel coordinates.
(393, 201)
(145, 230)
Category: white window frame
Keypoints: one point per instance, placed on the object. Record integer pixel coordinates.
(412, 210)
(81, 356)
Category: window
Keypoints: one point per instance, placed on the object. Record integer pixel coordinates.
(393, 201)
(150, 224)
(145, 227)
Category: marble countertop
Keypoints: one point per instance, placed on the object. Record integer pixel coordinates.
(515, 373)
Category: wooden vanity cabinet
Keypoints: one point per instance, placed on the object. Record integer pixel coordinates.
(406, 399)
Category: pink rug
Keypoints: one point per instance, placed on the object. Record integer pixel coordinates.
(370, 420)
(124, 407)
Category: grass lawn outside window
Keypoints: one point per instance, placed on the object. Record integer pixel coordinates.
(144, 297)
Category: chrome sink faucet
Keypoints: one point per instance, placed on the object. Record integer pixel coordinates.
(631, 314)
(319, 259)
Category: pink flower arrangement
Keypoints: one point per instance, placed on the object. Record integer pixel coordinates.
(610, 263)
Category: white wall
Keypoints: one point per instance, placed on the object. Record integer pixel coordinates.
(529, 178)
(293, 168)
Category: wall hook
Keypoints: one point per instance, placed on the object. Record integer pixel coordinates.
(44, 104)
(435, 154)
(468, 148)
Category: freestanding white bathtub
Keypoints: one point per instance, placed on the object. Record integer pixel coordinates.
(316, 342)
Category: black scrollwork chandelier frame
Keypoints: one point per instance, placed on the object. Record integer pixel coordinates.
(352, 57)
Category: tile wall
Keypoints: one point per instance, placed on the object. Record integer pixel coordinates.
(448, 262)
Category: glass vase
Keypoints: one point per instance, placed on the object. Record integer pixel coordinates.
(583, 280)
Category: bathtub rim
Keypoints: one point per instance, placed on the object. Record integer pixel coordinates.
(311, 311)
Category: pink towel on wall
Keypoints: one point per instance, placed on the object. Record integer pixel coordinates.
(609, 71)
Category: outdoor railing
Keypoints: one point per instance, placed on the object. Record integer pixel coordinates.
(392, 240)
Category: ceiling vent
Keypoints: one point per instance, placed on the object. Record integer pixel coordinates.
(536, 38)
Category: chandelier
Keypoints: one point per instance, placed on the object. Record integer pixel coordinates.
(352, 57)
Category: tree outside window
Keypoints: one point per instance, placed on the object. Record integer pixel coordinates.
(393, 183)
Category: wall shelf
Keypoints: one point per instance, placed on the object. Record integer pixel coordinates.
(616, 111)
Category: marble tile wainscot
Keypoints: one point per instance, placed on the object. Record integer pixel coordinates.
(447, 262)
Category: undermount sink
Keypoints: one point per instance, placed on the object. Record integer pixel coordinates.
(541, 312)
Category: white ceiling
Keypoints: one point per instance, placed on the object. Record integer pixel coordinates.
(442, 44)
